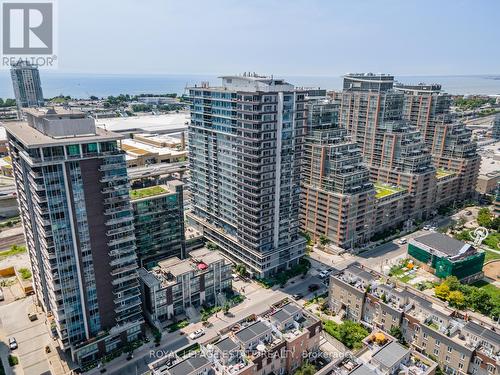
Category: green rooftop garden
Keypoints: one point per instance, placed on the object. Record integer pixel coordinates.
(384, 190)
(440, 173)
(147, 192)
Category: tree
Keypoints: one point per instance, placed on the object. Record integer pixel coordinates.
(349, 333)
(442, 291)
(211, 246)
(484, 217)
(479, 300)
(456, 299)
(452, 282)
(241, 270)
(324, 240)
(396, 332)
(306, 369)
(226, 308)
(93, 97)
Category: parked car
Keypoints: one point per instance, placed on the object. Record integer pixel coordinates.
(198, 333)
(402, 241)
(427, 227)
(433, 229)
(1, 295)
(323, 274)
(297, 296)
(12, 343)
(313, 287)
(32, 316)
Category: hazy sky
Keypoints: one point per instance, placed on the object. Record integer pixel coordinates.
(283, 37)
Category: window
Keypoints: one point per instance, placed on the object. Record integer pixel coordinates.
(436, 351)
(450, 349)
(460, 366)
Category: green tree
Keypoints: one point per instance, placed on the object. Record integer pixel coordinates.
(456, 299)
(324, 240)
(306, 369)
(484, 217)
(349, 333)
(396, 332)
(480, 300)
(442, 291)
(452, 282)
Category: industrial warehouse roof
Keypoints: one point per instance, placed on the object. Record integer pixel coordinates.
(443, 243)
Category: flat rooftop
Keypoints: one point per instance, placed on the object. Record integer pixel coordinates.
(443, 243)
(189, 365)
(148, 192)
(390, 354)
(31, 137)
(441, 173)
(167, 123)
(249, 333)
(384, 190)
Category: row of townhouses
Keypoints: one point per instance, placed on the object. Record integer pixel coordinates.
(458, 343)
(277, 342)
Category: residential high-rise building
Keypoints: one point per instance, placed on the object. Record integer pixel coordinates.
(27, 85)
(245, 151)
(372, 113)
(495, 134)
(337, 196)
(448, 140)
(159, 222)
(73, 194)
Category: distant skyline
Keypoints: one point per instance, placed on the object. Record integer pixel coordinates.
(303, 37)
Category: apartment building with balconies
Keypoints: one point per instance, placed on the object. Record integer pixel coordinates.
(245, 154)
(159, 222)
(450, 143)
(337, 195)
(372, 113)
(176, 286)
(458, 343)
(73, 194)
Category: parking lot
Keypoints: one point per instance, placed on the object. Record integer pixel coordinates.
(31, 337)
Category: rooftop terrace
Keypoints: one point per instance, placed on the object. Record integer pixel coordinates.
(384, 190)
(442, 173)
(148, 192)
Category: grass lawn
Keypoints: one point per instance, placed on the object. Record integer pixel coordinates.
(490, 255)
(146, 192)
(493, 240)
(14, 250)
(384, 190)
(440, 173)
(491, 289)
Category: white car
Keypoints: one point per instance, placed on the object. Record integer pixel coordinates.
(427, 227)
(323, 274)
(12, 343)
(196, 334)
(402, 241)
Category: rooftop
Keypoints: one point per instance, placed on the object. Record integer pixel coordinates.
(253, 331)
(167, 123)
(148, 192)
(189, 365)
(31, 137)
(384, 190)
(443, 243)
(391, 354)
(441, 173)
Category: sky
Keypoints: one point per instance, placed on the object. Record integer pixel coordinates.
(286, 37)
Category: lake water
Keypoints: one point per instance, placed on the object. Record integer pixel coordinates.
(84, 85)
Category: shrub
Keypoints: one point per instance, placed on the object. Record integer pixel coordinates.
(13, 360)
